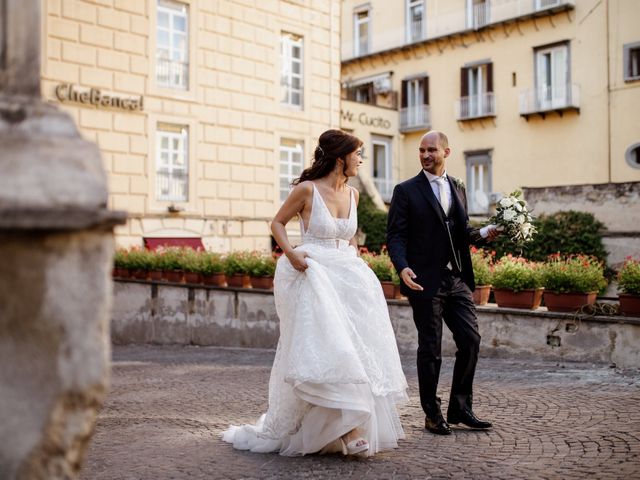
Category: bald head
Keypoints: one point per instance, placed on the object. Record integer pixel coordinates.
(435, 134)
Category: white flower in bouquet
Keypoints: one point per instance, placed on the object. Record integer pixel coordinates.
(513, 217)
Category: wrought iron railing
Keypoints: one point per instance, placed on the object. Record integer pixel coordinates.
(172, 185)
(172, 74)
(475, 106)
(418, 116)
(549, 97)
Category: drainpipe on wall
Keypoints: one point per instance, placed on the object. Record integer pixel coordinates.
(606, 5)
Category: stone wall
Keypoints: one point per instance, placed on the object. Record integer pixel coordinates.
(180, 314)
(614, 204)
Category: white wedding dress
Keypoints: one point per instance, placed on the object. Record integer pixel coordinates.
(336, 365)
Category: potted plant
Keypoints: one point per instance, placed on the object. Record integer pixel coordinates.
(517, 283)
(140, 260)
(155, 271)
(210, 267)
(383, 270)
(190, 262)
(629, 284)
(121, 263)
(481, 261)
(261, 270)
(170, 263)
(235, 267)
(571, 282)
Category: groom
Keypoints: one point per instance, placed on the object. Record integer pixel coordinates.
(428, 238)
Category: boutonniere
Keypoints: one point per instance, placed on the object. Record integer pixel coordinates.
(458, 183)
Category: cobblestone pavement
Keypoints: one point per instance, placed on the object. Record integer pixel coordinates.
(168, 406)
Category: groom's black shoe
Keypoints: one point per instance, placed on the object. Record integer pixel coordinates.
(437, 425)
(466, 417)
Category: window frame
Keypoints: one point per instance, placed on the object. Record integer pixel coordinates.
(627, 48)
(290, 175)
(553, 101)
(474, 159)
(183, 138)
(356, 31)
(387, 180)
(288, 42)
(409, 4)
(173, 13)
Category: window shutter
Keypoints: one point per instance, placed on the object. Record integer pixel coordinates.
(464, 83)
(404, 101)
(490, 77)
(425, 85)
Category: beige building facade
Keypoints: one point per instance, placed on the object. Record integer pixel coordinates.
(203, 110)
(532, 93)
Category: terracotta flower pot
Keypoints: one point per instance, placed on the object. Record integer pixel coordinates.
(239, 280)
(389, 289)
(529, 299)
(155, 275)
(481, 294)
(192, 277)
(568, 302)
(629, 304)
(396, 292)
(216, 280)
(174, 276)
(139, 274)
(264, 283)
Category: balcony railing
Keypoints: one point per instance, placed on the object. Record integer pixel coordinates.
(549, 98)
(476, 106)
(173, 186)
(385, 187)
(417, 30)
(480, 15)
(172, 74)
(415, 117)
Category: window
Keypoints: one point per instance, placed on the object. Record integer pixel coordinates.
(632, 155)
(552, 77)
(381, 166)
(478, 181)
(290, 164)
(477, 13)
(542, 4)
(362, 93)
(172, 163)
(476, 92)
(415, 20)
(362, 32)
(172, 49)
(414, 111)
(291, 78)
(632, 61)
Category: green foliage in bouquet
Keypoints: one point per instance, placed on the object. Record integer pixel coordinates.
(481, 261)
(516, 273)
(573, 274)
(629, 277)
(373, 222)
(512, 217)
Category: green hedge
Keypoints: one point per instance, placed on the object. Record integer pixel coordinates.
(566, 232)
(373, 222)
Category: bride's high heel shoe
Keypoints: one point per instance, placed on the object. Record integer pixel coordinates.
(352, 447)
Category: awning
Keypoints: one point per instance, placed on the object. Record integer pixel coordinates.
(155, 242)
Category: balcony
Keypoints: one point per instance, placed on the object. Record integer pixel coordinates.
(385, 188)
(415, 118)
(546, 99)
(172, 185)
(172, 74)
(476, 106)
(479, 16)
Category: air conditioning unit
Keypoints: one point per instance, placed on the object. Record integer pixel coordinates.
(495, 197)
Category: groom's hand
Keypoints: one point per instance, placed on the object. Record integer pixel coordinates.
(407, 277)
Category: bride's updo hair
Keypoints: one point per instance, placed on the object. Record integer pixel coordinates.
(332, 144)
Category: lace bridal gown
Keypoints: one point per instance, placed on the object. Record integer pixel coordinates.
(336, 365)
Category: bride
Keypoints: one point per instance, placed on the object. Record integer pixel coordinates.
(336, 377)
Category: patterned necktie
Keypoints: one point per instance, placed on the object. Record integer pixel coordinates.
(444, 199)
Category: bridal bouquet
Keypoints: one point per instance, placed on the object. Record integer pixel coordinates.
(513, 218)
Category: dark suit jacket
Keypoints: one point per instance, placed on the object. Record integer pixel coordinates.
(417, 235)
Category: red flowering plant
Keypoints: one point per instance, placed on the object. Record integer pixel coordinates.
(573, 274)
(482, 263)
(629, 276)
(381, 266)
(516, 274)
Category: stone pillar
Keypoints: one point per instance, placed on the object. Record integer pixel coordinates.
(56, 247)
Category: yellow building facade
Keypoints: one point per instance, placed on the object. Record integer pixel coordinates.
(531, 93)
(203, 110)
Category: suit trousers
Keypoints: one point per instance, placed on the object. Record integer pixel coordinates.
(452, 303)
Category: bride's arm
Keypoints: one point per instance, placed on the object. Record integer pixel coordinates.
(354, 241)
(292, 206)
